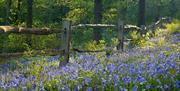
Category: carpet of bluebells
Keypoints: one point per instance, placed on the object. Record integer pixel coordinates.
(153, 69)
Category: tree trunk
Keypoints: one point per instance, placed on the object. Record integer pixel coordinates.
(141, 19)
(29, 20)
(8, 7)
(29, 16)
(97, 18)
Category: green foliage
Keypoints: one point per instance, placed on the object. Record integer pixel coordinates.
(76, 15)
(46, 41)
(159, 38)
(93, 45)
(18, 43)
(136, 39)
(81, 37)
(173, 27)
(12, 43)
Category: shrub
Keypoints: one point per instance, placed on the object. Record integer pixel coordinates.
(173, 27)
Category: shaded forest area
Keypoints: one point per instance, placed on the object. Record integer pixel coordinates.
(50, 13)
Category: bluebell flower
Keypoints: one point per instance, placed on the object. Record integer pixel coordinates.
(167, 49)
(126, 80)
(122, 89)
(141, 79)
(165, 86)
(23, 80)
(24, 88)
(166, 68)
(62, 88)
(53, 58)
(89, 89)
(24, 61)
(5, 87)
(161, 55)
(88, 80)
(13, 84)
(177, 84)
(159, 70)
(79, 86)
(103, 82)
(148, 86)
(74, 89)
(135, 88)
(116, 79)
(67, 89)
(33, 78)
(109, 78)
(111, 67)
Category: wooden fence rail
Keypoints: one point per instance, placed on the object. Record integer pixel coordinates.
(36, 31)
(126, 27)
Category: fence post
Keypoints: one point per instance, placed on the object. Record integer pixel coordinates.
(66, 41)
(120, 28)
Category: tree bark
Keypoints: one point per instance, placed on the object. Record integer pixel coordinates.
(7, 12)
(29, 20)
(97, 18)
(29, 16)
(141, 13)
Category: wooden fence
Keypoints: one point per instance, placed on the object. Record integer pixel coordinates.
(65, 38)
(66, 33)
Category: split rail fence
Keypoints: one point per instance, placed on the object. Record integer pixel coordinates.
(66, 34)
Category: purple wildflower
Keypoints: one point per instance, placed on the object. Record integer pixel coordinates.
(135, 88)
(165, 86)
(177, 84)
(53, 58)
(89, 89)
(148, 86)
